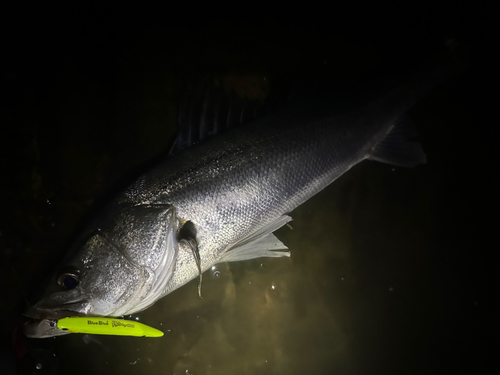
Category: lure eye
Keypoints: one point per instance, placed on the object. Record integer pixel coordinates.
(69, 280)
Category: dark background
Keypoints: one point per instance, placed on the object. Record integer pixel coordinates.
(90, 98)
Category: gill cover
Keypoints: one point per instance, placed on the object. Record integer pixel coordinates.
(145, 237)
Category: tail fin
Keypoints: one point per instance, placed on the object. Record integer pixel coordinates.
(399, 146)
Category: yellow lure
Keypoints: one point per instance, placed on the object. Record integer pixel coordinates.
(107, 326)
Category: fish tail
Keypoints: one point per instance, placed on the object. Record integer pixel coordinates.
(398, 146)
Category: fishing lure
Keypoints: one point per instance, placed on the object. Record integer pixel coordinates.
(106, 326)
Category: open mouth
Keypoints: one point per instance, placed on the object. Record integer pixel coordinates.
(42, 322)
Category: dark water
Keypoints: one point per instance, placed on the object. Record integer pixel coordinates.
(390, 268)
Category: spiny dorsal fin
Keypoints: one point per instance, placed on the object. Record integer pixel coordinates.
(211, 104)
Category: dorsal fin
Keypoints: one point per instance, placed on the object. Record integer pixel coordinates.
(210, 104)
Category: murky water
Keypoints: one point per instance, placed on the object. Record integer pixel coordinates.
(373, 284)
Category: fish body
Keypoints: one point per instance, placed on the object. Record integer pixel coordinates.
(232, 191)
(239, 182)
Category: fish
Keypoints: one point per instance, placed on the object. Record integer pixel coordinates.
(221, 199)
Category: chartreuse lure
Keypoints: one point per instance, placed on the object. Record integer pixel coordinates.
(106, 326)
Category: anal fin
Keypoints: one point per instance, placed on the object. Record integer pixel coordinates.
(398, 148)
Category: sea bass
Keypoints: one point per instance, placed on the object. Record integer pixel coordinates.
(221, 200)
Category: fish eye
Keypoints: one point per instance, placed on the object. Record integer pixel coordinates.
(69, 279)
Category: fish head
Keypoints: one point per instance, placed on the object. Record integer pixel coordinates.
(121, 267)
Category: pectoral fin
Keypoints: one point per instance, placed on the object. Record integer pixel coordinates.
(262, 243)
(187, 234)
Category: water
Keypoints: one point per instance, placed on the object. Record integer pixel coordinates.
(377, 281)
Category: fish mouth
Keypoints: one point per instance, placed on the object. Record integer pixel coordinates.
(74, 308)
(36, 313)
(42, 322)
